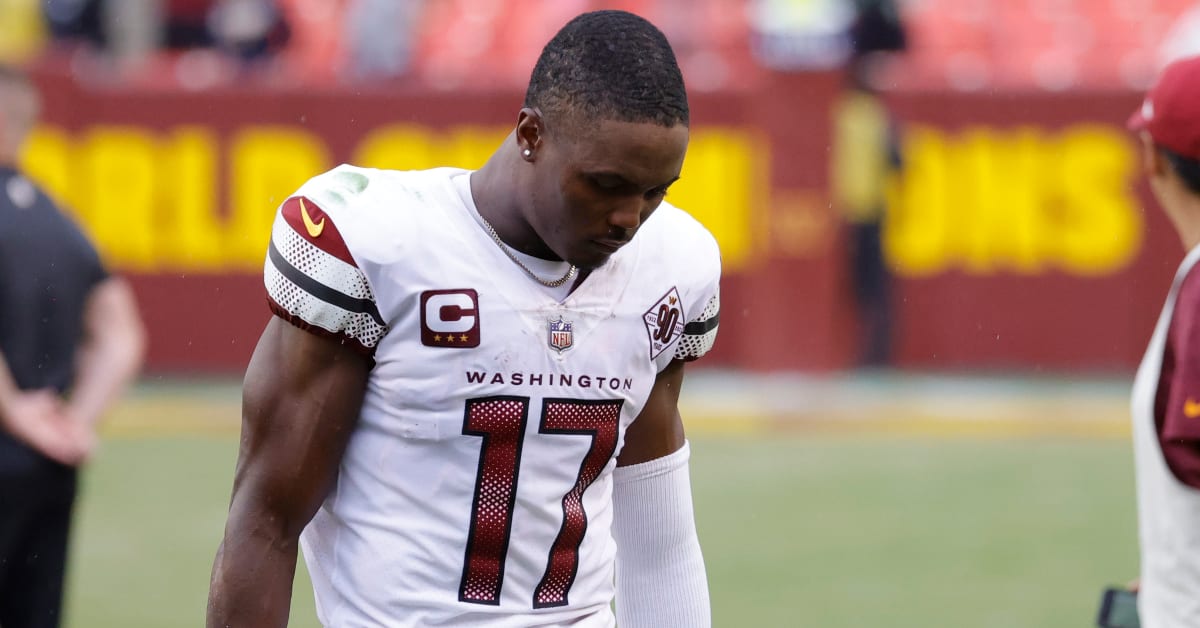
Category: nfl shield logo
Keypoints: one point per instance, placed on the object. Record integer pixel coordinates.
(561, 335)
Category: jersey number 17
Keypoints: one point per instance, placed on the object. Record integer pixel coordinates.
(500, 421)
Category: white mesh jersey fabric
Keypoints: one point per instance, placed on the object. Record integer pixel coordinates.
(321, 266)
(334, 278)
(477, 487)
(694, 346)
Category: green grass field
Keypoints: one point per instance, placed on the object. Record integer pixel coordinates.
(799, 529)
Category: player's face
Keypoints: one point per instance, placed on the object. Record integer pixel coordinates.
(598, 185)
(1168, 189)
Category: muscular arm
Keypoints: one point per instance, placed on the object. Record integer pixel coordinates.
(661, 579)
(301, 399)
(658, 430)
(111, 352)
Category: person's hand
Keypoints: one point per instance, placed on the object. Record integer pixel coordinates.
(84, 434)
(37, 419)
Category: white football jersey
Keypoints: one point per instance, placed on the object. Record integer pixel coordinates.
(476, 489)
(1168, 510)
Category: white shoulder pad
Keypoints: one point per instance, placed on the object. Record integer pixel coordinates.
(700, 332)
(312, 279)
(691, 260)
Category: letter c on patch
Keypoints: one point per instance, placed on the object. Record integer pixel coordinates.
(450, 318)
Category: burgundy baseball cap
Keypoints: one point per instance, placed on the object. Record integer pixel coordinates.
(1171, 111)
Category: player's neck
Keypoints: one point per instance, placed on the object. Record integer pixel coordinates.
(1182, 207)
(494, 190)
(1189, 225)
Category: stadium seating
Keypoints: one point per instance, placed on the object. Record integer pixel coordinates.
(1043, 44)
(954, 44)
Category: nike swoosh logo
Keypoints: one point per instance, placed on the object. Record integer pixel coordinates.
(314, 228)
(1191, 409)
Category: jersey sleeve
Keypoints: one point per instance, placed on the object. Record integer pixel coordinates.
(1179, 404)
(700, 330)
(700, 333)
(313, 281)
(1181, 416)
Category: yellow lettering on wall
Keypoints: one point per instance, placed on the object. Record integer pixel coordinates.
(1016, 200)
(1000, 228)
(411, 147)
(46, 158)
(152, 201)
(397, 147)
(470, 146)
(191, 234)
(1101, 226)
(117, 202)
(917, 233)
(722, 184)
(266, 164)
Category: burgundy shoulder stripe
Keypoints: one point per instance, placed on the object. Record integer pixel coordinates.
(315, 226)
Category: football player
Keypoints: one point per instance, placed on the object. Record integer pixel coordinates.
(1166, 393)
(465, 411)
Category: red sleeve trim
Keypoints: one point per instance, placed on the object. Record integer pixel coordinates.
(315, 226)
(1182, 375)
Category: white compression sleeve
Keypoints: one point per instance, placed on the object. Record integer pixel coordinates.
(660, 570)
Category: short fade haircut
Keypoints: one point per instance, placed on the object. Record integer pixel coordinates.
(609, 65)
(1187, 169)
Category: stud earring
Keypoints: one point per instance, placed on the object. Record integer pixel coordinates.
(528, 152)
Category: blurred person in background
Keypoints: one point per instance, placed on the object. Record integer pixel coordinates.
(465, 409)
(75, 20)
(22, 31)
(131, 32)
(381, 36)
(70, 342)
(248, 30)
(865, 159)
(128, 31)
(1166, 392)
(186, 24)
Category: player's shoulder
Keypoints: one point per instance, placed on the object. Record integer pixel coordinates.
(314, 268)
(1187, 300)
(678, 238)
(684, 255)
(359, 192)
(379, 213)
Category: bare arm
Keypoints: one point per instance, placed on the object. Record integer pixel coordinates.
(658, 430)
(301, 399)
(110, 356)
(36, 418)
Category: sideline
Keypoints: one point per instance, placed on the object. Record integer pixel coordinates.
(728, 403)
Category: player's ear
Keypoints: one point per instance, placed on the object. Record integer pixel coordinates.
(530, 129)
(1154, 164)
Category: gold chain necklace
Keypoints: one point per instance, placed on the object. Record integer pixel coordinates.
(554, 283)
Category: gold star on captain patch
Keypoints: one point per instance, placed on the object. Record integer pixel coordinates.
(449, 338)
(463, 338)
(437, 337)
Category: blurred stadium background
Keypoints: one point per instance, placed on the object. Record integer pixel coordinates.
(983, 478)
